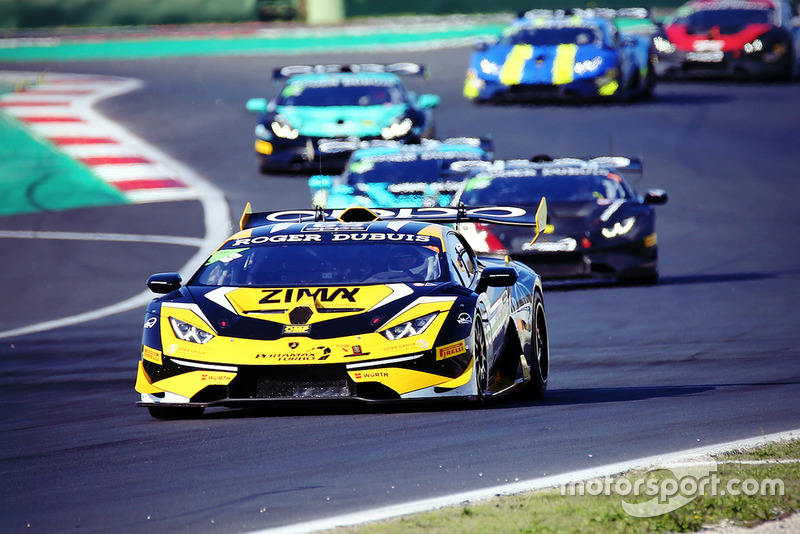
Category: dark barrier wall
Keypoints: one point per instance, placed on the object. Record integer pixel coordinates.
(45, 13)
(362, 8)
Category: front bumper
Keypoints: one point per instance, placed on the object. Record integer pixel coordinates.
(422, 375)
(720, 64)
(480, 89)
(611, 262)
(301, 156)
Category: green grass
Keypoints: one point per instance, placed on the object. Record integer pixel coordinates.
(548, 511)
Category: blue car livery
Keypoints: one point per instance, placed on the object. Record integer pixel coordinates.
(547, 54)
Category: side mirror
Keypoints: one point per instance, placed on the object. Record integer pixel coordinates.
(163, 283)
(428, 101)
(496, 277)
(257, 105)
(656, 196)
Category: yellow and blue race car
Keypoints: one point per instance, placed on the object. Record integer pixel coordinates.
(578, 54)
(353, 304)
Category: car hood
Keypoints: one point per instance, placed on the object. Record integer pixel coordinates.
(566, 220)
(341, 121)
(271, 313)
(541, 63)
(679, 35)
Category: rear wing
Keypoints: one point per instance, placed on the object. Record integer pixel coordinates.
(506, 215)
(403, 68)
(334, 146)
(589, 12)
(624, 165)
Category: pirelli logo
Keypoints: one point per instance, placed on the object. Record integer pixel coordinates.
(448, 351)
(296, 329)
(151, 355)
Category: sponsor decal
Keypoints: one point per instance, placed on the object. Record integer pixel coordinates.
(151, 322)
(215, 378)
(151, 355)
(320, 294)
(369, 375)
(448, 351)
(280, 238)
(293, 357)
(464, 318)
(423, 344)
(172, 349)
(380, 236)
(296, 329)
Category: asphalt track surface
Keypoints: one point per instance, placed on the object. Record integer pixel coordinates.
(710, 354)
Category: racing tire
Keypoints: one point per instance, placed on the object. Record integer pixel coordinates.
(172, 412)
(649, 82)
(480, 367)
(540, 350)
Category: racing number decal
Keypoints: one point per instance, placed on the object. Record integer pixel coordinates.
(564, 64)
(511, 73)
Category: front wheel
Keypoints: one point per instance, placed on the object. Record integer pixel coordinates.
(540, 350)
(480, 369)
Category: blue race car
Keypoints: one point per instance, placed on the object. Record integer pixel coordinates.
(331, 104)
(394, 174)
(581, 54)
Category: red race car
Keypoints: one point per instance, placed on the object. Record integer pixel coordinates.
(740, 38)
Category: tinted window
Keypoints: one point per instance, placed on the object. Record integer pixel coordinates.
(274, 264)
(554, 36)
(530, 189)
(727, 20)
(341, 93)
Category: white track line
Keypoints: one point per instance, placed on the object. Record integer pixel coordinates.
(426, 505)
(216, 215)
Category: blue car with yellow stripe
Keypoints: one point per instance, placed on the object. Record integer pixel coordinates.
(582, 54)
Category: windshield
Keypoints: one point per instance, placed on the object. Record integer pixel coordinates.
(554, 36)
(727, 20)
(528, 190)
(322, 263)
(344, 92)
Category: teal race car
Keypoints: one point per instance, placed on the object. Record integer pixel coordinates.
(321, 108)
(394, 174)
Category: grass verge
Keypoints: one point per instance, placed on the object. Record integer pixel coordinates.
(742, 488)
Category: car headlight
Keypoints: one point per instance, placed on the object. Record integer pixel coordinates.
(589, 65)
(662, 45)
(754, 46)
(619, 228)
(410, 328)
(397, 129)
(283, 129)
(191, 333)
(490, 67)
